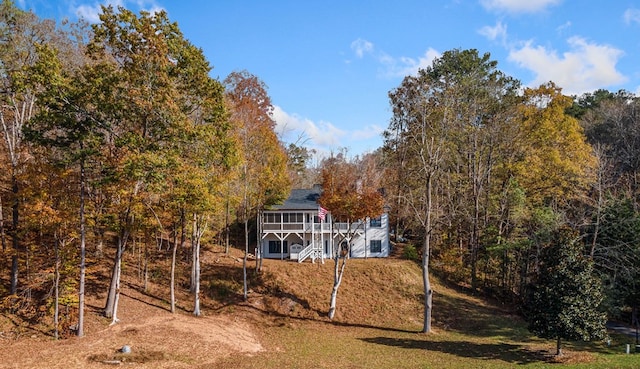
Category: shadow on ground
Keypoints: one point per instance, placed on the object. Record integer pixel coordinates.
(510, 353)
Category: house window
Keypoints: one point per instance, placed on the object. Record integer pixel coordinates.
(375, 246)
(292, 218)
(375, 222)
(274, 247)
(272, 217)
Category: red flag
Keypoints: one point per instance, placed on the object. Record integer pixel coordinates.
(322, 212)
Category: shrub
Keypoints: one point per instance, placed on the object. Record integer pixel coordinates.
(410, 252)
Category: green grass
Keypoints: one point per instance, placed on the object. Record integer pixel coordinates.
(378, 327)
(313, 345)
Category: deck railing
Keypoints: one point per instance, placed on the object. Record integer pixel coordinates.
(308, 227)
(302, 255)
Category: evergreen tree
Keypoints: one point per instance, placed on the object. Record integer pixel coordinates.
(563, 301)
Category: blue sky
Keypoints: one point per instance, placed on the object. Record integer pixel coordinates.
(329, 64)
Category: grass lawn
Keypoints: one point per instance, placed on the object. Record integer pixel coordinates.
(317, 345)
(378, 327)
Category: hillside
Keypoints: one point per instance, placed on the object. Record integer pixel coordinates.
(379, 308)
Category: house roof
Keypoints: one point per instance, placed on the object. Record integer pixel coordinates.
(301, 199)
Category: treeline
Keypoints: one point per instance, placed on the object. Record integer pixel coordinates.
(487, 176)
(116, 135)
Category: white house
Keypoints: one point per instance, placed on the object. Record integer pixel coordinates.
(294, 230)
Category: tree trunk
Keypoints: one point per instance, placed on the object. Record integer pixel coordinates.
(183, 234)
(56, 303)
(475, 241)
(338, 272)
(114, 287)
(194, 255)
(146, 267)
(83, 234)
(3, 239)
(244, 259)
(226, 227)
(173, 277)
(113, 296)
(258, 245)
(14, 234)
(114, 314)
(428, 292)
(196, 276)
(559, 347)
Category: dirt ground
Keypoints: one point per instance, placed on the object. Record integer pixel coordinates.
(157, 338)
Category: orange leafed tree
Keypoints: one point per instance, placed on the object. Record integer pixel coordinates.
(351, 192)
(263, 179)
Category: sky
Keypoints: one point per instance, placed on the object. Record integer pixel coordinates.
(330, 64)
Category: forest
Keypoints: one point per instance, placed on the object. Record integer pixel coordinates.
(116, 138)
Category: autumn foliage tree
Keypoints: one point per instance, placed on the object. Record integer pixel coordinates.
(351, 192)
(263, 177)
(150, 121)
(21, 33)
(557, 163)
(449, 126)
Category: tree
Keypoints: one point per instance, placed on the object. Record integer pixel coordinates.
(64, 126)
(563, 301)
(417, 128)
(21, 32)
(548, 173)
(612, 127)
(351, 192)
(143, 103)
(298, 160)
(59, 124)
(557, 163)
(451, 124)
(204, 151)
(263, 177)
(614, 250)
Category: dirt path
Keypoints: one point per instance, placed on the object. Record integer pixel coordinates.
(157, 338)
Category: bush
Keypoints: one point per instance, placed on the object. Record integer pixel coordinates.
(410, 252)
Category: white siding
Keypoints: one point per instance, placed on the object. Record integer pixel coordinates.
(360, 244)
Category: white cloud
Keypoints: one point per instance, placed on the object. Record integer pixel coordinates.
(367, 132)
(292, 126)
(499, 32)
(583, 68)
(360, 47)
(518, 6)
(324, 137)
(561, 28)
(91, 12)
(632, 16)
(393, 67)
(405, 66)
